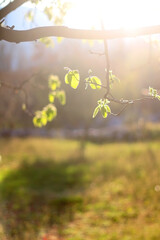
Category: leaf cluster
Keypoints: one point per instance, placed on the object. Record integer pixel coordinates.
(72, 78)
(48, 41)
(54, 84)
(49, 112)
(94, 82)
(102, 107)
(60, 95)
(153, 92)
(112, 79)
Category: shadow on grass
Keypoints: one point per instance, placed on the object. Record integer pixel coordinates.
(41, 194)
(45, 193)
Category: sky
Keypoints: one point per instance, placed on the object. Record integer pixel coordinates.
(114, 13)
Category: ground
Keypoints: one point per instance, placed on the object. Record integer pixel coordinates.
(67, 190)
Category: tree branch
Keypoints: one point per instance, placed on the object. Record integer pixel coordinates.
(33, 34)
(11, 7)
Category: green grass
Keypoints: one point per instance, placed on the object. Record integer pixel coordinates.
(95, 192)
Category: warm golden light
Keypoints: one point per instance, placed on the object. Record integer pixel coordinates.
(114, 13)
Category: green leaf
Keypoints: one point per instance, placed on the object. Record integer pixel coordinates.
(44, 119)
(37, 122)
(90, 42)
(48, 41)
(62, 97)
(50, 111)
(103, 107)
(59, 39)
(40, 119)
(154, 93)
(51, 97)
(54, 82)
(24, 107)
(158, 97)
(95, 82)
(113, 78)
(96, 110)
(151, 91)
(108, 109)
(104, 112)
(29, 15)
(72, 78)
(49, 12)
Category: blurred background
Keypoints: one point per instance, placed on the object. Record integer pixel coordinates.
(134, 61)
(78, 177)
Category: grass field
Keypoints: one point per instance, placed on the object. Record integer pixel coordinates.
(63, 190)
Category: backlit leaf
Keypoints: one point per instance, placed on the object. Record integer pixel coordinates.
(54, 82)
(96, 110)
(40, 119)
(95, 82)
(108, 109)
(48, 41)
(72, 78)
(62, 97)
(50, 111)
(51, 97)
(104, 112)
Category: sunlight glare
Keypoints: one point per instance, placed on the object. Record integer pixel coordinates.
(114, 13)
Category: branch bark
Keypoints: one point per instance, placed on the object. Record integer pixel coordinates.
(33, 34)
(11, 7)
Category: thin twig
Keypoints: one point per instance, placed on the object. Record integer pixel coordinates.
(129, 101)
(107, 62)
(121, 101)
(97, 53)
(18, 88)
(123, 108)
(27, 110)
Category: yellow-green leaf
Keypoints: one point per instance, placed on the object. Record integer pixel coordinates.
(108, 109)
(49, 12)
(62, 97)
(54, 82)
(95, 82)
(72, 78)
(40, 119)
(96, 110)
(48, 41)
(50, 111)
(51, 97)
(104, 112)
(59, 39)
